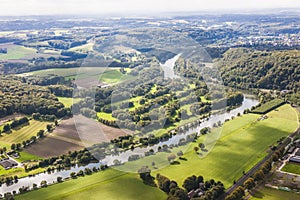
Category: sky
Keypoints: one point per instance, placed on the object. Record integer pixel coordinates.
(102, 7)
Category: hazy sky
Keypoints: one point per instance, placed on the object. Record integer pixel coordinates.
(45, 7)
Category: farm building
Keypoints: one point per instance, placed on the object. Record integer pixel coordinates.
(291, 149)
(295, 159)
(7, 163)
(297, 153)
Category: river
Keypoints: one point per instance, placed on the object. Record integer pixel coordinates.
(247, 103)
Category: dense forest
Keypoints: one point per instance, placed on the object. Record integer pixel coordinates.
(21, 95)
(247, 68)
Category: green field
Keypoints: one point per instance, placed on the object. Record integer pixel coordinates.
(273, 194)
(20, 172)
(23, 133)
(106, 75)
(292, 168)
(68, 101)
(24, 156)
(242, 144)
(71, 72)
(83, 48)
(268, 106)
(106, 116)
(110, 184)
(17, 52)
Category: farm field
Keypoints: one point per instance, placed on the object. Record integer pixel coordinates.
(68, 101)
(106, 75)
(23, 133)
(273, 194)
(3, 120)
(26, 156)
(70, 72)
(20, 172)
(106, 116)
(242, 144)
(109, 184)
(83, 48)
(66, 138)
(270, 105)
(292, 168)
(16, 52)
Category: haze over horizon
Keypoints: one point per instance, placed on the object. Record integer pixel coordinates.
(134, 7)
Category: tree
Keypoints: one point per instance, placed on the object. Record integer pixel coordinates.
(40, 134)
(196, 149)
(153, 163)
(43, 183)
(8, 196)
(259, 175)
(145, 174)
(201, 145)
(59, 179)
(163, 183)
(180, 153)
(34, 186)
(13, 146)
(171, 158)
(49, 127)
(6, 128)
(117, 162)
(190, 183)
(18, 146)
(33, 139)
(249, 183)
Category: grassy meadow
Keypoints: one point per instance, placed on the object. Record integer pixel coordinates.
(68, 101)
(109, 184)
(273, 194)
(292, 168)
(22, 133)
(17, 52)
(243, 142)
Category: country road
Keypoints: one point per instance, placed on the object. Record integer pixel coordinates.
(241, 181)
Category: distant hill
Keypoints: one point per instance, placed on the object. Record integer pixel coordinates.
(247, 68)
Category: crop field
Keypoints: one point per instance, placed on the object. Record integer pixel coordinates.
(83, 48)
(292, 168)
(267, 107)
(243, 142)
(106, 75)
(109, 184)
(106, 116)
(66, 137)
(16, 52)
(71, 72)
(273, 194)
(68, 102)
(23, 133)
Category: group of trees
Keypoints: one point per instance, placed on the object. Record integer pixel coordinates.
(171, 188)
(20, 97)
(194, 188)
(33, 139)
(65, 44)
(81, 157)
(247, 68)
(14, 124)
